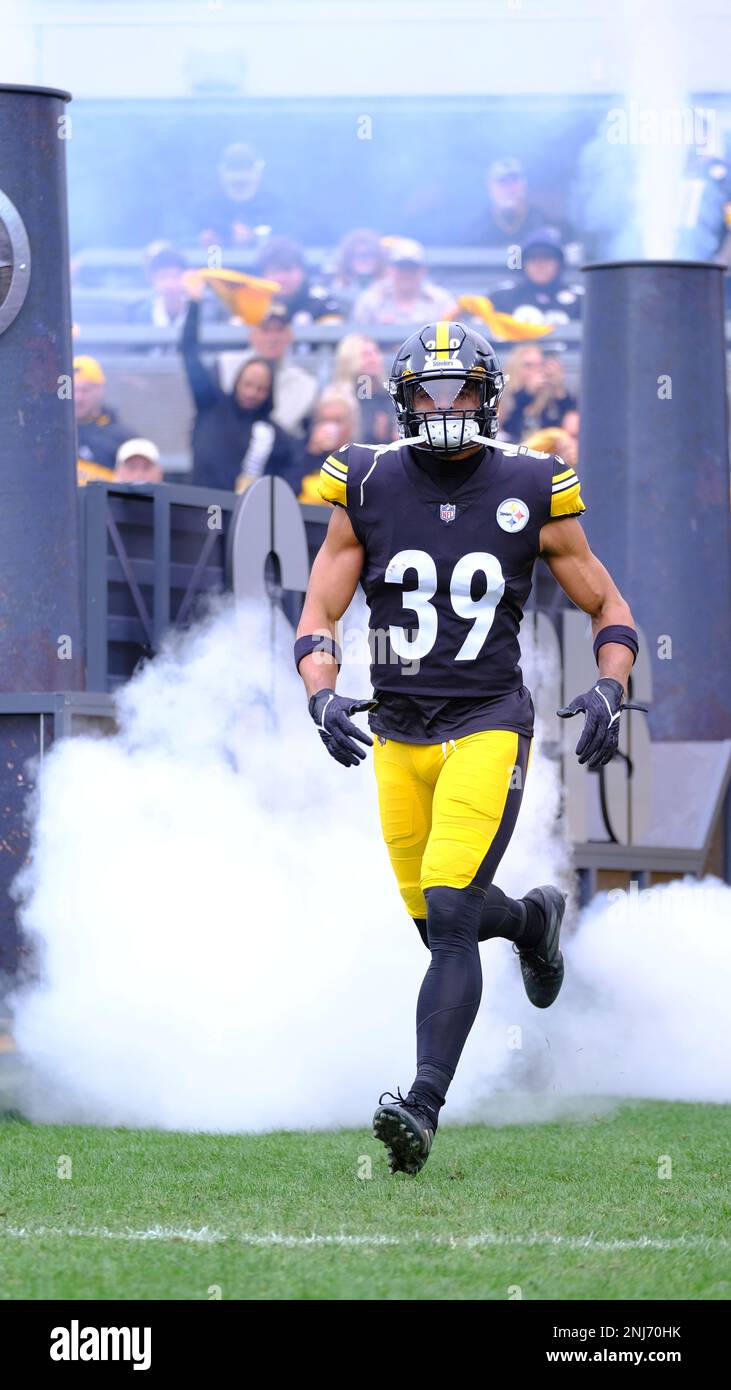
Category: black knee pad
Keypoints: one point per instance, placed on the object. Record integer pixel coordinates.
(453, 914)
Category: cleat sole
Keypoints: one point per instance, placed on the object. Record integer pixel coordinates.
(406, 1149)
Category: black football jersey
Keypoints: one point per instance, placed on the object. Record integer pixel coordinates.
(447, 570)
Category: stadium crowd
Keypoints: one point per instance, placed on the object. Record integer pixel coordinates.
(270, 405)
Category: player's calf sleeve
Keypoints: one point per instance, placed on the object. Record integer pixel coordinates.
(450, 994)
(515, 919)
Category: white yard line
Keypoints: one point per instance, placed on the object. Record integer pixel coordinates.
(207, 1236)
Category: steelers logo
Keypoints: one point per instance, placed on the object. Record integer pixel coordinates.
(512, 514)
(14, 262)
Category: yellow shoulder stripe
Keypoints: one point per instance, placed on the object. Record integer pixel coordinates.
(567, 473)
(337, 464)
(567, 501)
(331, 488)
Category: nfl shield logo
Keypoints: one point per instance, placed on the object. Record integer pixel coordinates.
(447, 511)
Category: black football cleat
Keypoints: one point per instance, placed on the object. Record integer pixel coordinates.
(542, 964)
(407, 1130)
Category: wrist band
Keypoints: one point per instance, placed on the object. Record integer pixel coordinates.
(617, 632)
(319, 643)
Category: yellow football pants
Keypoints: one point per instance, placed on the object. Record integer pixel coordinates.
(448, 809)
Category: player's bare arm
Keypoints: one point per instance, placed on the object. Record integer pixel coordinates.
(333, 582)
(587, 582)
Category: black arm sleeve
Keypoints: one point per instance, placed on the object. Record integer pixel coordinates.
(282, 462)
(203, 385)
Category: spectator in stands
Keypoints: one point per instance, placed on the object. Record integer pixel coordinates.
(234, 433)
(570, 425)
(560, 400)
(336, 422)
(283, 260)
(540, 292)
(138, 461)
(99, 433)
(359, 363)
(612, 217)
(87, 472)
(166, 304)
(240, 211)
(295, 388)
(508, 216)
(535, 396)
(704, 233)
(360, 260)
(554, 441)
(404, 296)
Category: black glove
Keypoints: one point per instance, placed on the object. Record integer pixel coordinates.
(330, 713)
(602, 706)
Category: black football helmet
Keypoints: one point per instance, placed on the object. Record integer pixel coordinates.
(440, 358)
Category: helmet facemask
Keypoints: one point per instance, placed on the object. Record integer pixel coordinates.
(439, 422)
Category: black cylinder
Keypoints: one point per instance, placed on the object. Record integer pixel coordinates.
(41, 644)
(655, 474)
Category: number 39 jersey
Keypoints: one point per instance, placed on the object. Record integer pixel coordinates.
(448, 566)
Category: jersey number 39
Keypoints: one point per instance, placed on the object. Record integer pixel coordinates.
(480, 612)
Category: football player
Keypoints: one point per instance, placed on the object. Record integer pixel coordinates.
(442, 528)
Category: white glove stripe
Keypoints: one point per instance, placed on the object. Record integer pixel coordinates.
(612, 717)
(323, 725)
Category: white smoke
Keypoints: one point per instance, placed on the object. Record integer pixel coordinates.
(642, 1012)
(658, 94)
(641, 179)
(223, 945)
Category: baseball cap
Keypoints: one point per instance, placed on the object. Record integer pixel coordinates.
(278, 312)
(132, 447)
(405, 251)
(543, 239)
(89, 370)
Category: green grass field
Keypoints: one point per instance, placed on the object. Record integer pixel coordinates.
(562, 1211)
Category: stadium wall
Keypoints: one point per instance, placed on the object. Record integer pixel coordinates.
(379, 48)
